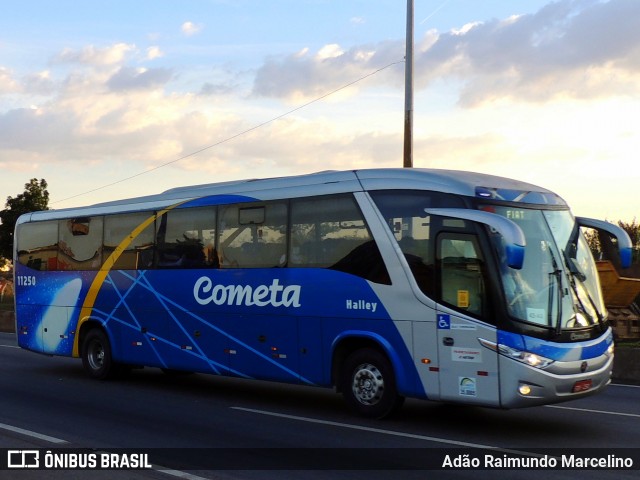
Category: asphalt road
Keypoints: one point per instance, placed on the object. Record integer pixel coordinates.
(49, 403)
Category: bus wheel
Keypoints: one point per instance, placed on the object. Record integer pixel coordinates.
(368, 384)
(96, 355)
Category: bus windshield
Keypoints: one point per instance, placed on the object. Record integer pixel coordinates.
(558, 284)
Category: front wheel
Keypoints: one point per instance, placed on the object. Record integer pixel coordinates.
(96, 355)
(368, 384)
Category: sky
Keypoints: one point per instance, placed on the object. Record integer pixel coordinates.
(111, 100)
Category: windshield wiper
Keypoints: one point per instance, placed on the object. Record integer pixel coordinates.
(557, 274)
(570, 253)
(577, 274)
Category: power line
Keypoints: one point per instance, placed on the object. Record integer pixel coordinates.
(233, 137)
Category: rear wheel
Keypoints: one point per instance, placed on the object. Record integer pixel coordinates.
(96, 355)
(368, 384)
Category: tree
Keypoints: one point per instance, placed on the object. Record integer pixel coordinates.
(34, 198)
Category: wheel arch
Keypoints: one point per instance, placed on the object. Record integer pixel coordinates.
(351, 341)
(88, 325)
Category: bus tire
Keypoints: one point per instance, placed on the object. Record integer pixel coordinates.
(96, 355)
(368, 384)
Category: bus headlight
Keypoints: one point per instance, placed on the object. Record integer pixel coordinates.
(528, 358)
(610, 350)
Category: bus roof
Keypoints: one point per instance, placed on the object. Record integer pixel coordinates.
(463, 183)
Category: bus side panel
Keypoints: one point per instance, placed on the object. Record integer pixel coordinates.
(274, 324)
(28, 326)
(47, 306)
(151, 329)
(265, 346)
(313, 359)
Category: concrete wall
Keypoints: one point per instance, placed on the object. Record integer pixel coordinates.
(626, 366)
(7, 321)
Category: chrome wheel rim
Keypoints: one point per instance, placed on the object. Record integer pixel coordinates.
(368, 384)
(96, 356)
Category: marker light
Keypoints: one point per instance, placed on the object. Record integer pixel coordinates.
(524, 389)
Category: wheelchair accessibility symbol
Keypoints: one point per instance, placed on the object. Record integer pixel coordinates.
(444, 322)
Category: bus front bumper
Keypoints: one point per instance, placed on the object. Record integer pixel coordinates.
(525, 386)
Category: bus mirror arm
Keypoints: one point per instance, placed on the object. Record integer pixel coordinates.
(513, 235)
(625, 246)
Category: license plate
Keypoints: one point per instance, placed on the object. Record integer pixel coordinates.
(582, 386)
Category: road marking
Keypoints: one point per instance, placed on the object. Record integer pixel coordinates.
(388, 432)
(621, 414)
(9, 346)
(31, 433)
(180, 474)
(368, 429)
(624, 385)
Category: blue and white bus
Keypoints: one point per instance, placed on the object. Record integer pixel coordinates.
(383, 283)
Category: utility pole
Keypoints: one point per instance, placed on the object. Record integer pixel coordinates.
(408, 90)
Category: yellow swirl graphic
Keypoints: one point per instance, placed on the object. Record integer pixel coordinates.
(107, 265)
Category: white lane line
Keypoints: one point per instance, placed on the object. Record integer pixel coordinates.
(624, 385)
(30, 433)
(180, 474)
(604, 412)
(369, 429)
(9, 346)
(388, 432)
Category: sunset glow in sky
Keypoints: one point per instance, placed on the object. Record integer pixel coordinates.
(199, 91)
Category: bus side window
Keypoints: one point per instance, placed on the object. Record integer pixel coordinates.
(186, 239)
(461, 270)
(330, 232)
(80, 243)
(253, 236)
(415, 230)
(38, 245)
(138, 251)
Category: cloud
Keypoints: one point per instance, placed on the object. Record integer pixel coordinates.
(7, 83)
(98, 106)
(154, 52)
(104, 109)
(216, 89)
(128, 78)
(32, 130)
(92, 55)
(577, 49)
(305, 75)
(573, 49)
(189, 28)
(40, 83)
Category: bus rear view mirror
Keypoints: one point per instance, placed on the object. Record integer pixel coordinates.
(625, 246)
(513, 235)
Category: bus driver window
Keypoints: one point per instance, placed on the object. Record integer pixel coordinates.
(461, 273)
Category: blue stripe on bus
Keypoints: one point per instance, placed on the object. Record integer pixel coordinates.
(564, 352)
(217, 200)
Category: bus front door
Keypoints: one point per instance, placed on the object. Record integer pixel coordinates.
(468, 370)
